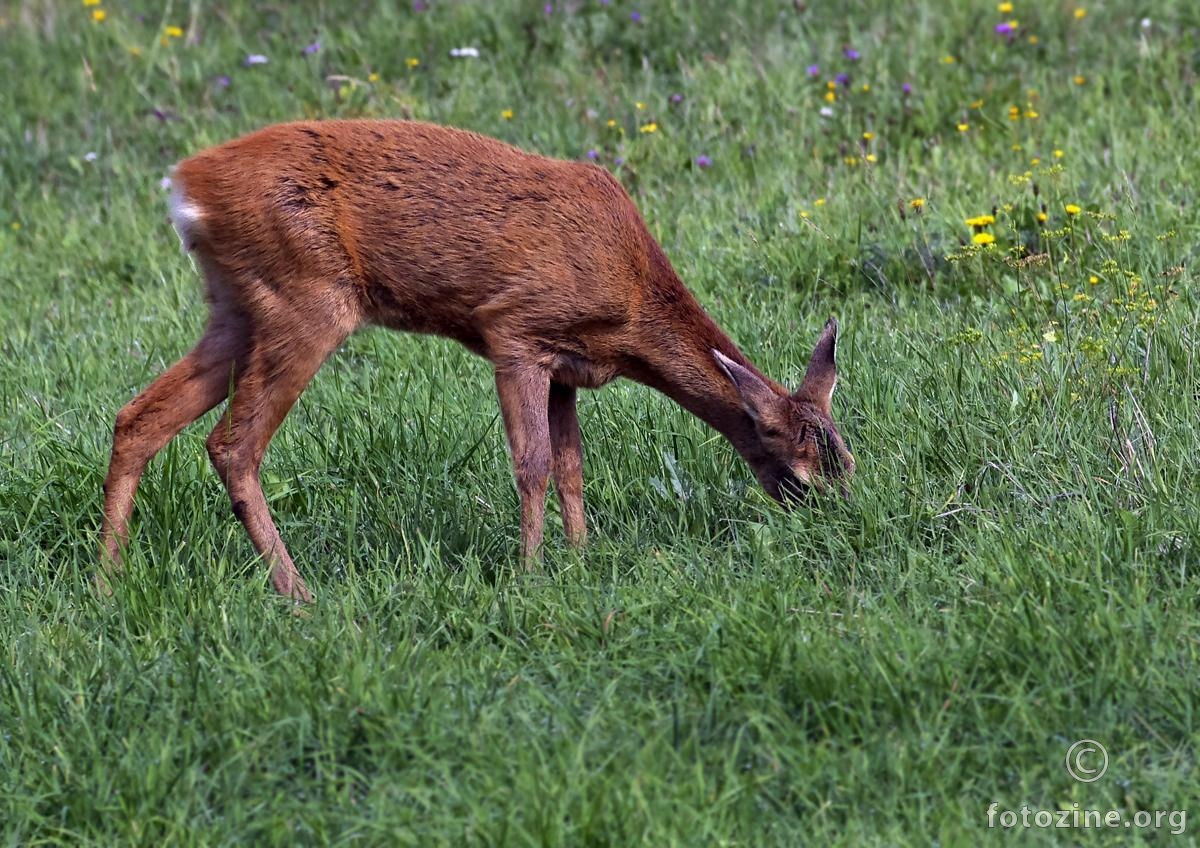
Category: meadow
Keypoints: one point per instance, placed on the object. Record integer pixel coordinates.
(995, 199)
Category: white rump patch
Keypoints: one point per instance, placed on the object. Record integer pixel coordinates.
(185, 216)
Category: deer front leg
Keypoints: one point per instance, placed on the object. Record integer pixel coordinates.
(524, 400)
(567, 450)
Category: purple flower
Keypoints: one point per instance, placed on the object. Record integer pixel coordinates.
(703, 161)
(814, 70)
(548, 9)
(223, 81)
(312, 48)
(620, 160)
(1004, 28)
(419, 5)
(635, 16)
(593, 154)
(255, 59)
(676, 99)
(851, 54)
(906, 89)
(843, 79)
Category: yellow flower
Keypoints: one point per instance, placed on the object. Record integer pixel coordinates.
(830, 97)
(948, 60)
(983, 238)
(820, 201)
(1079, 79)
(1005, 8)
(507, 114)
(648, 128)
(1033, 39)
(803, 213)
(1050, 335)
(867, 136)
(135, 51)
(91, 2)
(640, 105)
(981, 221)
(1072, 209)
(963, 127)
(1035, 161)
(1042, 216)
(412, 61)
(917, 202)
(866, 86)
(173, 32)
(872, 158)
(1014, 113)
(612, 122)
(1030, 114)
(831, 85)
(1094, 280)
(851, 161)
(99, 15)
(372, 77)
(976, 104)
(1058, 154)
(1080, 14)
(1016, 148)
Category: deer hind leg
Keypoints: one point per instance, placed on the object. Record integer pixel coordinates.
(524, 400)
(284, 355)
(184, 392)
(567, 451)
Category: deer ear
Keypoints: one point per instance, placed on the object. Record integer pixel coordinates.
(821, 376)
(757, 397)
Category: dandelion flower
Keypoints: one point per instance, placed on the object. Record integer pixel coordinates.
(1042, 216)
(963, 127)
(867, 136)
(1080, 14)
(983, 238)
(1058, 154)
(98, 15)
(611, 122)
(372, 77)
(981, 221)
(648, 128)
(948, 60)
(1072, 209)
(820, 201)
(412, 61)
(1079, 79)
(1094, 280)
(173, 32)
(91, 2)
(872, 158)
(639, 105)
(830, 97)
(917, 203)
(1005, 8)
(507, 114)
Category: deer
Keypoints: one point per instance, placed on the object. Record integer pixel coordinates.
(304, 232)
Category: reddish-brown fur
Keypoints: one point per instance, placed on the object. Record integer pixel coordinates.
(306, 231)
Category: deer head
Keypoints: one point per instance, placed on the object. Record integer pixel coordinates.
(799, 447)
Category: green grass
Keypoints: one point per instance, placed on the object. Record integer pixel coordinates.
(1015, 570)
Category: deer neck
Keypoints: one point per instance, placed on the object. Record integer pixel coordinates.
(676, 359)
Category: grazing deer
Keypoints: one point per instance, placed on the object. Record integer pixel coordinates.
(306, 231)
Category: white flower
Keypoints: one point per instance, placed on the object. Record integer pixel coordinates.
(1145, 23)
(826, 111)
(465, 52)
(256, 59)
(90, 156)
(164, 183)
